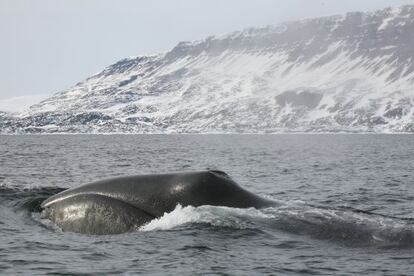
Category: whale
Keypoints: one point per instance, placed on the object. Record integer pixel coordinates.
(123, 204)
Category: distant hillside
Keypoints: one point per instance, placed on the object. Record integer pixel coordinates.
(341, 73)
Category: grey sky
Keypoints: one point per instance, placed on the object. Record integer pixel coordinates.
(49, 45)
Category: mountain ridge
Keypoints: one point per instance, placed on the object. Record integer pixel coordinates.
(342, 73)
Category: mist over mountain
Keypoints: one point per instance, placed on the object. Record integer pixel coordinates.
(348, 73)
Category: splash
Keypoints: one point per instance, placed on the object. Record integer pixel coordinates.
(296, 217)
(211, 215)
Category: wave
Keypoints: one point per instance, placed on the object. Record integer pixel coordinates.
(347, 226)
(26, 199)
(21, 208)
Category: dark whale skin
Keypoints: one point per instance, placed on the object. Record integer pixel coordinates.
(122, 204)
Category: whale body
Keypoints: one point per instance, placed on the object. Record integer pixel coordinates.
(122, 204)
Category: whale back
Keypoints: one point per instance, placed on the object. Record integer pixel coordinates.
(160, 193)
(134, 200)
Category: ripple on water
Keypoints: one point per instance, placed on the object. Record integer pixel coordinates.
(313, 176)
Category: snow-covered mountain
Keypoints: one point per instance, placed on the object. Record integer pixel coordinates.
(341, 73)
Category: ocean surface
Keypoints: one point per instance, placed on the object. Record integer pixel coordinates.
(346, 205)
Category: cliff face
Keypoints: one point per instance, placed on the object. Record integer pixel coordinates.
(340, 73)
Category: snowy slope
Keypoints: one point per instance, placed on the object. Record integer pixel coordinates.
(20, 103)
(340, 73)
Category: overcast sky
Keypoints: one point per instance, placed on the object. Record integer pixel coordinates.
(49, 45)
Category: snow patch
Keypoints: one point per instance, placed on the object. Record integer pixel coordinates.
(21, 103)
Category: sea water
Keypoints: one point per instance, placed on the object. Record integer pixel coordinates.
(346, 205)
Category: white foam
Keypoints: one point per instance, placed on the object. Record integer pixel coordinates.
(213, 215)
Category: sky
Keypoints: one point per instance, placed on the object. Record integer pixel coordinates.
(49, 45)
